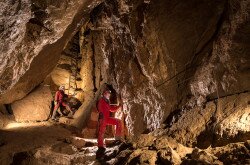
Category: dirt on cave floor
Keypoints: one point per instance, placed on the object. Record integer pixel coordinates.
(53, 143)
(21, 137)
(48, 142)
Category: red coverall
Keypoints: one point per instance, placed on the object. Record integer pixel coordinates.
(59, 98)
(105, 109)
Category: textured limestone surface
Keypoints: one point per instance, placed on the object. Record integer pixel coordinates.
(129, 35)
(34, 107)
(180, 67)
(222, 121)
(33, 33)
(162, 56)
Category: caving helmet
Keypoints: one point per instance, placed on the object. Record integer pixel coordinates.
(106, 91)
(62, 87)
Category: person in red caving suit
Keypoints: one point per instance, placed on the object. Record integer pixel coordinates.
(104, 109)
(60, 102)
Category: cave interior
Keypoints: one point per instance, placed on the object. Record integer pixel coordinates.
(179, 69)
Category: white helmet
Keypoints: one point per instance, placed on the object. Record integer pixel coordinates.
(62, 87)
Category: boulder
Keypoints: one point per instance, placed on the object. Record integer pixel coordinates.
(220, 122)
(164, 143)
(186, 129)
(140, 156)
(145, 140)
(169, 156)
(60, 76)
(76, 141)
(64, 148)
(34, 107)
(203, 156)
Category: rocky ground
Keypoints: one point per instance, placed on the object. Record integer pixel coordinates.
(19, 138)
(48, 143)
(52, 143)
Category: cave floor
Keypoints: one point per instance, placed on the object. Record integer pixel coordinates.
(52, 143)
(20, 137)
(46, 143)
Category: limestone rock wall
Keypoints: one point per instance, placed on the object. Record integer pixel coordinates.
(165, 59)
(67, 70)
(222, 80)
(33, 33)
(163, 56)
(147, 50)
(218, 123)
(226, 70)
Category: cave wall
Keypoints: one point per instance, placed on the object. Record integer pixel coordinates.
(161, 57)
(171, 55)
(67, 70)
(33, 34)
(219, 122)
(226, 70)
(222, 81)
(148, 51)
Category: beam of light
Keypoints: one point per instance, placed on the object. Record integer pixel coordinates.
(16, 125)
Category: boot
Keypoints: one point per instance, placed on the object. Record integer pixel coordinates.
(100, 153)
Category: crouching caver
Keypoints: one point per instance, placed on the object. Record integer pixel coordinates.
(104, 109)
(60, 102)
